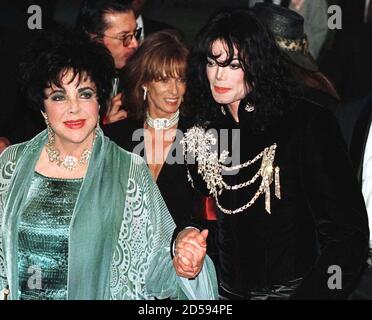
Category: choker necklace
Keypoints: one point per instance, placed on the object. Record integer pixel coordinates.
(162, 123)
(68, 162)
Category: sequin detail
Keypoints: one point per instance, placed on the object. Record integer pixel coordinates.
(43, 238)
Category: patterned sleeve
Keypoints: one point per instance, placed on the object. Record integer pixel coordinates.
(151, 228)
(7, 166)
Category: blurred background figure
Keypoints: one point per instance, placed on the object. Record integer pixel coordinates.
(66, 13)
(355, 12)
(112, 23)
(348, 58)
(18, 122)
(148, 26)
(315, 15)
(355, 121)
(119, 25)
(287, 27)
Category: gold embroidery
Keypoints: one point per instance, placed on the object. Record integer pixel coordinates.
(199, 144)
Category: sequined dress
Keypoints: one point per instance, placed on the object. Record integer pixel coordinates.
(44, 236)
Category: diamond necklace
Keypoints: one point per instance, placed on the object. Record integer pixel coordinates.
(162, 123)
(68, 162)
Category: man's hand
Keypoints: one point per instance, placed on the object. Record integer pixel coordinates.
(114, 112)
(190, 251)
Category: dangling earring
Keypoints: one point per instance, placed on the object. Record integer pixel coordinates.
(51, 133)
(144, 93)
(249, 107)
(98, 119)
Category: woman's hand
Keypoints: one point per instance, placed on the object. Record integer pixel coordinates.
(190, 251)
(114, 112)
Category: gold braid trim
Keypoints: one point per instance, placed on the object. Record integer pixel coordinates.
(199, 143)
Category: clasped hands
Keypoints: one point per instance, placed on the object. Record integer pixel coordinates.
(190, 251)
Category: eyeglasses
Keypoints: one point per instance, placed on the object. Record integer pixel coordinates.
(127, 39)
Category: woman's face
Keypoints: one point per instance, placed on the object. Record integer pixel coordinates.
(72, 110)
(165, 95)
(226, 83)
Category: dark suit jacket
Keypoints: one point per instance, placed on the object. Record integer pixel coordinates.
(320, 221)
(355, 121)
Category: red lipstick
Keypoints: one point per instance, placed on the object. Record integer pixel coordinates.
(75, 124)
(221, 89)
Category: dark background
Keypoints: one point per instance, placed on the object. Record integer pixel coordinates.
(17, 121)
(186, 15)
(347, 60)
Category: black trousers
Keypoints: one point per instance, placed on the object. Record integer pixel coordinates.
(364, 289)
(275, 292)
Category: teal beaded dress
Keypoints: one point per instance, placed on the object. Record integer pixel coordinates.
(116, 239)
(44, 236)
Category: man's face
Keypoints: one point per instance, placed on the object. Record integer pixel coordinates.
(120, 24)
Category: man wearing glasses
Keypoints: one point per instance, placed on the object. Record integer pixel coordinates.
(112, 23)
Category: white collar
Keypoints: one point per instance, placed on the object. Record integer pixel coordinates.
(140, 25)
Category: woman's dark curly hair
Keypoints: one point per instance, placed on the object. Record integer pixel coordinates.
(52, 54)
(260, 59)
(162, 54)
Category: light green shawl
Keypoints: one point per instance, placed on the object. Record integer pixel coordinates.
(119, 233)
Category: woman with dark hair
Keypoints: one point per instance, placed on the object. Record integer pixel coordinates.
(80, 218)
(289, 209)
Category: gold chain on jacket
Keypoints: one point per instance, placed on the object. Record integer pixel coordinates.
(199, 144)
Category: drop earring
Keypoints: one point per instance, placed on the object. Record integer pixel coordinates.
(144, 93)
(51, 133)
(98, 119)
